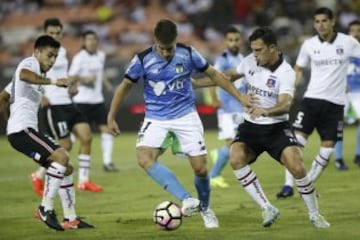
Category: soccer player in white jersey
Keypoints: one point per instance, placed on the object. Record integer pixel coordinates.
(23, 134)
(266, 128)
(87, 69)
(328, 53)
(62, 116)
(229, 110)
(170, 114)
(353, 81)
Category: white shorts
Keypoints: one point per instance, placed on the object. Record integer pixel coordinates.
(184, 135)
(228, 124)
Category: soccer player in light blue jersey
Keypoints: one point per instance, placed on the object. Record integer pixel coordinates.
(353, 81)
(229, 111)
(170, 115)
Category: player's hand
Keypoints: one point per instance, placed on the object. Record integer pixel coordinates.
(249, 100)
(89, 81)
(44, 102)
(73, 90)
(113, 127)
(256, 112)
(62, 82)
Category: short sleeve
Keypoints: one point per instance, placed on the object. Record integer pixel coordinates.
(355, 52)
(199, 61)
(303, 58)
(75, 66)
(135, 69)
(240, 69)
(287, 83)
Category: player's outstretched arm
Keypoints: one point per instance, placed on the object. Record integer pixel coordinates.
(121, 92)
(224, 82)
(33, 78)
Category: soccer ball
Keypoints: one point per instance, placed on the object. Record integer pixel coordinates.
(168, 216)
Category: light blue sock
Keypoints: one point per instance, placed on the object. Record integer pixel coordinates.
(358, 141)
(202, 185)
(339, 150)
(166, 179)
(222, 159)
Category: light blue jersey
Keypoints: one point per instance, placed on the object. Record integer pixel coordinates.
(168, 92)
(225, 62)
(353, 76)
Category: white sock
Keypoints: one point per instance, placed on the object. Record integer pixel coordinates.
(249, 181)
(307, 192)
(320, 163)
(289, 179)
(40, 173)
(53, 178)
(67, 197)
(84, 167)
(107, 143)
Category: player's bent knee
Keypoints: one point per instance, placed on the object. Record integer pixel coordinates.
(69, 169)
(60, 156)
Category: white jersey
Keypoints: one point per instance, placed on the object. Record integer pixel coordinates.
(267, 84)
(329, 62)
(86, 65)
(8, 88)
(58, 95)
(25, 99)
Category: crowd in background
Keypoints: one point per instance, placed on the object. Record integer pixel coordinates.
(124, 26)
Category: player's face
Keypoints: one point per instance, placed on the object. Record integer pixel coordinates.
(263, 53)
(91, 43)
(46, 57)
(165, 51)
(323, 25)
(355, 31)
(54, 31)
(233, 42)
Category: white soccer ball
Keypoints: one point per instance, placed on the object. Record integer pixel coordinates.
(168, 216)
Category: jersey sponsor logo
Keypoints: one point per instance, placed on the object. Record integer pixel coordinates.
(328, 62)
(160, 86)
(261, 92)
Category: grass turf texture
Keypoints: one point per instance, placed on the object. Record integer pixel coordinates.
(124, 210)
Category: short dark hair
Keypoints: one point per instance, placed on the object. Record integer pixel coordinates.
(46, 41)
(354, 22)
(89, 32)
(52, 22)
(232, 29)
(264, 33)
(165, 31)
(324, 10)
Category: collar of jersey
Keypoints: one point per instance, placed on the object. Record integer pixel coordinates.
(331, 40)
(273, 67)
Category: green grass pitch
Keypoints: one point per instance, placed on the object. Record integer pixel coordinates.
(124, 209)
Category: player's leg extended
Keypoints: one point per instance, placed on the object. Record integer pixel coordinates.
(147, 159)
(240, 157)
(287, 189)
(321, 160)
(291, 158)
(68, 200)
(220, 158)
(107, 144)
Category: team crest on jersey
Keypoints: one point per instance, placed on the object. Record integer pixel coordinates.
(271, 83)
(179, 68)
(339, 50)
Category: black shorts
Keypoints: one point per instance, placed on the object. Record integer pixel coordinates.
(326, 117)
(61, 119)
(34, 145)
(95, 113)
(270, 138)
